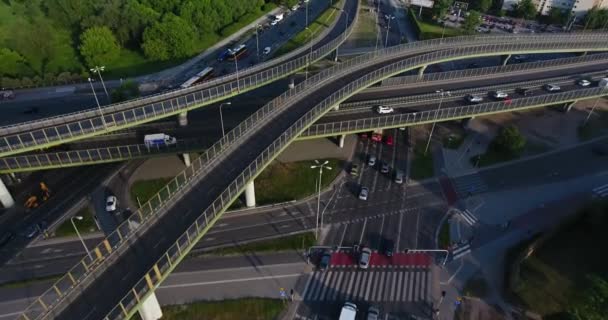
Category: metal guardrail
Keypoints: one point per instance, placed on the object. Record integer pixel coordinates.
(445, 114)
(192, 235)
(118, 116)
(110, 248)
(125, 152)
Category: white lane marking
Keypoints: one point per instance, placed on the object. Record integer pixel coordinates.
(343, 234)
(222, 225)
(380, 233)
(284, 225)
(399, 232)
(363, 230)
(377, 172)
(363, 164)
(209, 238)
(417, 226)
(468, 217)
(205, 283)
(461, 251)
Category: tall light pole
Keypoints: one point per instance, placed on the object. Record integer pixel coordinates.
(388, 27)
(593, 108)
(257, 41)
(98, 70)
(442, 93)
(221, 118)
(79, 237)
(236, 65)
(320, 166)
(310, 52)
(377, 33)
(345, 27)
(103, 120)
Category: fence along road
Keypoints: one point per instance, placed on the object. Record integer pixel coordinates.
(70, 127)
(221, 173)
(43, 133)
(97, 154)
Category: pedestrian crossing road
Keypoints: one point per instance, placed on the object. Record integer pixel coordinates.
(386, 285)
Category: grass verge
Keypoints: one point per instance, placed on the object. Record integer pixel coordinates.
(144, 190)
(422, 164)
(86, 225)
(28, 282)
(553, 279)
(237, 309)
(365, 31)
(596, 127)
(282, 182)
(316, 27)
(453, 141)
(289, 243)
(430, 30)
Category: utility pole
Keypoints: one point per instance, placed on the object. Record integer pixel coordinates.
(320, 166)
(103, 120)
(389, 18)
(98, 70)
(442, 93)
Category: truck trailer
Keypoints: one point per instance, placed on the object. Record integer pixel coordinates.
(158, 140)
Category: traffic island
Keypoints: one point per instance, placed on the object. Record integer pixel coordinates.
(85, 225)
(422, 163)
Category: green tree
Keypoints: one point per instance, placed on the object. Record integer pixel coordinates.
(98, 46)
(557, 16)
(483, 5)
(595, 302)
(12, 64)
(171, 38)
(596, 18)
(509, 141)
(441, 7)
(525, 9)
(472, 21)
(70, 12)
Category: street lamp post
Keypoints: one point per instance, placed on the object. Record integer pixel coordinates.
(98, 70)
(377, 33)
(221, 118)
(320, 166)
(593, 108)
(388, 27)
(103, 120)
(236, 65)
(79, 237)
(345, 27)
(442, 93)
(309, 53)
(257, 41)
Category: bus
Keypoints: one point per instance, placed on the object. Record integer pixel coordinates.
(206, 74)
(237, 52)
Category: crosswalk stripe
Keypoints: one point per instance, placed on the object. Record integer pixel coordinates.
(417, 286)
(342, 293)
(461, 251)
(347, 293)
(359, 284)
(468, 217)
(406, 282)
(429, 285)
(410, 287)
(306, 287)
(368, 285)
(315, 285)
(325, 285)
(380, 287)
(337, 286)
(322, 276)
(422, 286)
(601, 191)
(399, 280)
(394, 276)
(337, 277)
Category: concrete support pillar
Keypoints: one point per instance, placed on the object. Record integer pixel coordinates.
(250, 195)
(5, 196)
(150, 308)
(341, 141)
(505, 60)
(569, 105)
(186, 159)
(291, 84)
(421, 72)
(182, 118)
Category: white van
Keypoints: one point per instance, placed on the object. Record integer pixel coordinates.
(349, 311)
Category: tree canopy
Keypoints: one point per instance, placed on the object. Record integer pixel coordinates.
(472, 21)
(526, 9)
(482, 5)
(596, 18)
(441, 7)
(99, 46)
(509, 141)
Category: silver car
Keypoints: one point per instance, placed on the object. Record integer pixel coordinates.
(385, 168)
(364, 258)
(399, 177)
(471, 98)
(552, 87)
(363, 193)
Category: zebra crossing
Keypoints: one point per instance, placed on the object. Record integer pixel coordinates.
(461, 251)
(468, 217)
(400, 285)
(601, 191)
(469, 185)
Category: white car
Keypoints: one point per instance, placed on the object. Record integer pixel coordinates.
(274, 22)
(364, 258)
(363, 193)
(471, 98)
(584, 83)
(500, 95)
(267, 50)
(111, 203)
(384, 109)
(552, 87)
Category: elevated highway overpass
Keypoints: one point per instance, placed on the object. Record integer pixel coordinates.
(411, 92)
(134, 260)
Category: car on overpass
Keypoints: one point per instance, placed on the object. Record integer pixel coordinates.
(499, 94)
(552, 87)
(473, 98)
(583, 82)
(384, 109)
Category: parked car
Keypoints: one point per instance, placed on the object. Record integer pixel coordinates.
(385, 168)
(325, 260)
(472, 98)
(376, 137)
(371, 160)
(388, 247)
(111, 203)
(499, 95)
(354, 170)
(552, 87)
(389, 140)
(398, 177)
(524, 91)
(363, 193)
(384, 109)
(364, 258)
(583, 82)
